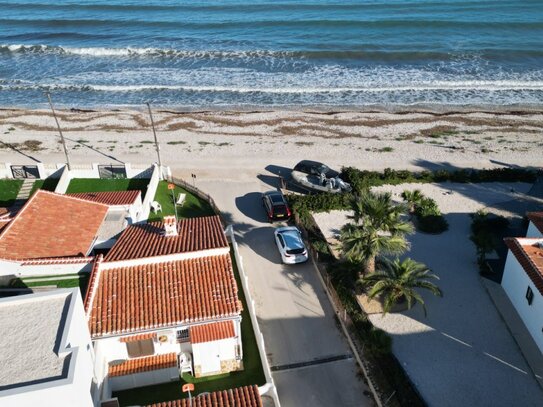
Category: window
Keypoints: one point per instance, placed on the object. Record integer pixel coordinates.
(183, 335)
(529, 295)
(137, 349)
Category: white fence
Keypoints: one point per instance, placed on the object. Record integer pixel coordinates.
(64, 181)
(44, 170)
(269, 390)
(151, 191)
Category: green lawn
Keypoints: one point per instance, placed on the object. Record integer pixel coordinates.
(104, 185)
(80, 280)
(48, 184)
(192, 208)
(8, 190)
(252, 373)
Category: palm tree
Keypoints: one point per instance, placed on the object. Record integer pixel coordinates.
(378, 229)
(413, 198)
(396, 280)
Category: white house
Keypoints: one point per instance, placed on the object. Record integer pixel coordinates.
(535, 227)
(523, 282)
(164, 301)
(45, 351)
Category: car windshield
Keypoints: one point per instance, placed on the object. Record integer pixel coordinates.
(323, 169)
(296, 251)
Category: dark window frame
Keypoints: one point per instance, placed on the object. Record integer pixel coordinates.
(139, 349)
(529, 295)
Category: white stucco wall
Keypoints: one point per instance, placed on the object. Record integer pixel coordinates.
(533, 231)
(16, 269)
(75, 388)
(515, 282)
(225, 347)
(112, 349)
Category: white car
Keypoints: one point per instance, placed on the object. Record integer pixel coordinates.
(290, 244)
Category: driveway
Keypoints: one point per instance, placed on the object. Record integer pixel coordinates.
(311, 362)
(461, 353)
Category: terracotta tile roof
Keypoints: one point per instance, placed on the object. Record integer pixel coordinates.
(4, 223)
(139, 337)
(110, 198)
(247, 396)
(148, 240)
(63, 260)
(129, 299)
(92, 281)
(52, 225)
(537, 219)
(212, 332)
(530, 257)
(146, 364)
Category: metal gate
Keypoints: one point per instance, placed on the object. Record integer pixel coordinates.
(25, 171)
(112, 171)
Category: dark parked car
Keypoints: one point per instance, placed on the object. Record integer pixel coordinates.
(315, 168)
(276, 206)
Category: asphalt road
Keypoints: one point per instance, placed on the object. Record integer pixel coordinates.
(311, 361)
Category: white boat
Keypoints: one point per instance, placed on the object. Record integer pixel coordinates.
(320, 183)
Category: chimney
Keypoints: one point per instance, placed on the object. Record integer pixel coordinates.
(170, 226)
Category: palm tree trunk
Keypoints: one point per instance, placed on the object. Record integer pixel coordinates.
(369, 267)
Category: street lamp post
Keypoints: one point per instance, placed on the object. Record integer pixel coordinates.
(59, 130)
(157, 146)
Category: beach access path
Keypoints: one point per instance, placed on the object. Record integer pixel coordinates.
(312, 364)
(461, 353)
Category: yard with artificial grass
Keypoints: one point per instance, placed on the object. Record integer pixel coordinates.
(9, 188)
(48, 184)
(252, 373)
(80, 280)
(192, 208)
(105, 185)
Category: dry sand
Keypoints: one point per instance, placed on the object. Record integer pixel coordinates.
(235, 143)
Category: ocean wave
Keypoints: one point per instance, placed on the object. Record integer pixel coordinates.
(489, 86)
(371, 55)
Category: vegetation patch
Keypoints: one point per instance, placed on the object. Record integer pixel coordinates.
(192, 207)
(361, 180)
(426, 211)
(487, 233)
(104, 185)
(9, 188)
(173, 143)
(48, 184)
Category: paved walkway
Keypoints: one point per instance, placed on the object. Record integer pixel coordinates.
(311, 361)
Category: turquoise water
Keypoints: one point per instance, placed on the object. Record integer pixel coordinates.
(263, 53)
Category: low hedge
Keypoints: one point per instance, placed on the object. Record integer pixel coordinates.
(429, 217)
(361, 179)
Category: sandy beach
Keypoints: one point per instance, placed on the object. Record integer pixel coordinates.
(221, 143)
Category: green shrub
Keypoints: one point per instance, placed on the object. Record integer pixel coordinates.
(429, 217)
(487, 232)
(362, 179)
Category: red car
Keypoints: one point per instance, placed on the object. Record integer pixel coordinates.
(276, 206)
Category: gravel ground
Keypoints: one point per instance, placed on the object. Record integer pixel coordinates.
(461, 354)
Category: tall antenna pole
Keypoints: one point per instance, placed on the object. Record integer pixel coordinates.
(59, 130)
(157, 146)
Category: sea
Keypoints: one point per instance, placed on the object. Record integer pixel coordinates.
(268, 54)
